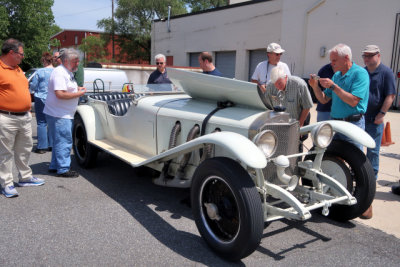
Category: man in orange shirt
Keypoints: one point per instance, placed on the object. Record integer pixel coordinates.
(15, 120)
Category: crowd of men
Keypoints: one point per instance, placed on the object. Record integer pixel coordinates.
(345, 91)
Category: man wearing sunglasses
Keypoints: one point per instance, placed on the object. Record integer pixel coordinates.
(262, 73)
(159, 76)
(15, 120)
(382, 90)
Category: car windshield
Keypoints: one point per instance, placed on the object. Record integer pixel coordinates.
(156, 88)
(30, 73)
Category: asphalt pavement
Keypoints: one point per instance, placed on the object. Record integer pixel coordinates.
(112, 215)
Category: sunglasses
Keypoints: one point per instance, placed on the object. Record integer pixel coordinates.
(369, 56)
(21, 54)
(159, 63)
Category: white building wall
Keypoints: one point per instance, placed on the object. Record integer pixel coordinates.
(308, 25)
(301, 27)
(231, 29)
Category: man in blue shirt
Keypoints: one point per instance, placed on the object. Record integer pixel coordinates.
(324, 110)
(348, 89)
(159, 76)
(382, 91)
(205, 61)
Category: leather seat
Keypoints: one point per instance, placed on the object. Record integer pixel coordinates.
(111, 96)
(119, 107)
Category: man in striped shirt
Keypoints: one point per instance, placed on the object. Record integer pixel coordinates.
(293, 93)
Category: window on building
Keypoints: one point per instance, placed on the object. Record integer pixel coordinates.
(194, 59)
(255, 57)
(225, 62)
(170, 60)
(76, 39)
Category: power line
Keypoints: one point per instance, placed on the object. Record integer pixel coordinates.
(82, 12)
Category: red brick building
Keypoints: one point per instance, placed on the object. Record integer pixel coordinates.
(73, 38)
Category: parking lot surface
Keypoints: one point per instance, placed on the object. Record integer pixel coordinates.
(112, 215)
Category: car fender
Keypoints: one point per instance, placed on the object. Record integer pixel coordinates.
(237, 145)
(93, 127)
(350, 130)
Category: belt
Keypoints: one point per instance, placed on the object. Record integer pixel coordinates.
(14, 113)
(351, 118)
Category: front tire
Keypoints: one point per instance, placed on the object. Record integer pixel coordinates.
(85, 153)
(349, 165)
(227, 208)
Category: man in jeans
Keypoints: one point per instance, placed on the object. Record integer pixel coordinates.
(382, 91)
(61, 103)
(348, 89)
(15, 120)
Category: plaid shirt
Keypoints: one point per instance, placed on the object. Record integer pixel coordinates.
(296, 96)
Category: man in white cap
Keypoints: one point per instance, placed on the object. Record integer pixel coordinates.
(262, 74)
(382, 90)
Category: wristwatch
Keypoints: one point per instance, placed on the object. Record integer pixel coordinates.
(382, 112)
(333, 87)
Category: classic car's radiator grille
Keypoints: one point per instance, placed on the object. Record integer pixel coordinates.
(288, 143)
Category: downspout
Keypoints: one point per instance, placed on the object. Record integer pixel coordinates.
(308, 12)
(169, 18)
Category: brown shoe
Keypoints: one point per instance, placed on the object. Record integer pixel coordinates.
(367, 214)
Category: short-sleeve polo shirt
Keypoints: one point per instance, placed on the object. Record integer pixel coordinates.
(356, 82)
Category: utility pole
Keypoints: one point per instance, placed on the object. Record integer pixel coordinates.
(112, 28)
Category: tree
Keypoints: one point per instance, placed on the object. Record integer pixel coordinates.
(199, 5)
(31, 22)
(133, 25)
(133, 20)
(94, 47)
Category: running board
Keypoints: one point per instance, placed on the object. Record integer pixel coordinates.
(119, 151)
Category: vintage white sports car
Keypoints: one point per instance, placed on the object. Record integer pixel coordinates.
(240, 160)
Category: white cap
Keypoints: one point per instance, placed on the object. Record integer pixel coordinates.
(274, 48)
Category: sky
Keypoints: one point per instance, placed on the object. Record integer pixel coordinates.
(81, 14)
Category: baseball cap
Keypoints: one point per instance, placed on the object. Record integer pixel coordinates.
(274, 48)
(371, 49)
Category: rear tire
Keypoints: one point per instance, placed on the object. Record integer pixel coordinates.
(85, 153)
(227, 208)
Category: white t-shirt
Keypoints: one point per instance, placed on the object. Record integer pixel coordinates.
(260, 74)
(61, 79)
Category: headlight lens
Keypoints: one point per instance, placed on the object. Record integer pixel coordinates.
(322, 135)
(266, 141)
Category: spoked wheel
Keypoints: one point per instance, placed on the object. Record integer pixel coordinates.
(349, 166)
(227, 208)
(85, 153)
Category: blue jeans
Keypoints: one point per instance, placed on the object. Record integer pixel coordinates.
(323, 115)
(61, 132)
(44, 138)
(360, 123)
(376, 132)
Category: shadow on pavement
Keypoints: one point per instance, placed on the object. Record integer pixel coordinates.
(137, 195)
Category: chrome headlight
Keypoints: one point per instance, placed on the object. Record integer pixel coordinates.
(266, 141)
(322, 135)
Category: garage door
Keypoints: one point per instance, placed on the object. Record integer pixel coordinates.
(194, 59)
(225, 63)
(256, 56)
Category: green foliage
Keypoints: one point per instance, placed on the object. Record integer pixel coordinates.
(133, 18)
(94, 47)
(199, 5)
(31, 22)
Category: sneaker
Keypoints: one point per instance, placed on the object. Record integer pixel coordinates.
(52, 170)
(396, 189)
(33, 181)
(68, 174)
(9, 191)
(40, 151)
